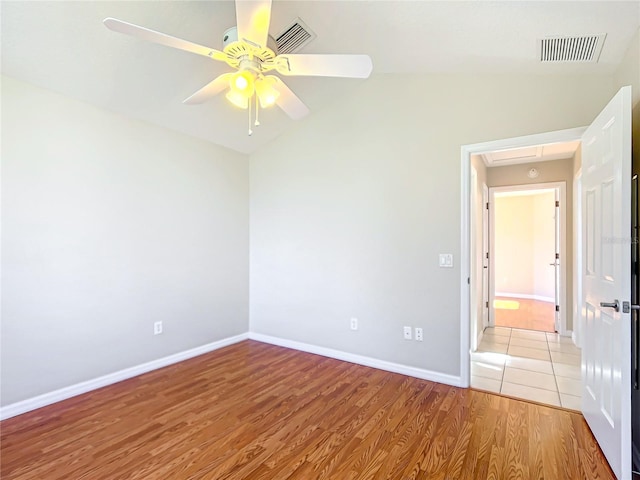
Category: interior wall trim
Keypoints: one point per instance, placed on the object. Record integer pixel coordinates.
(55, 396)
(360, 360)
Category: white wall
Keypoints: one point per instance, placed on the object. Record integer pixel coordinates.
(108, 225)
(628, 73)
(512, 245)
(524, 245)
(544, 245)
(350, 210)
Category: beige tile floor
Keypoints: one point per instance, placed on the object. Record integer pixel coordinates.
(538, 366)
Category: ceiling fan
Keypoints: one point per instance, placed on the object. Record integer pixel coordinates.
(250, 50)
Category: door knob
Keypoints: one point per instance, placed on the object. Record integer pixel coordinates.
(615, 305)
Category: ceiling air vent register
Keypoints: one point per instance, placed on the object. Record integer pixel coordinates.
(294, 37)
(583, 48)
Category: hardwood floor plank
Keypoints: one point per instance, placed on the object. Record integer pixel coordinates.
(258, 411)
(529, 314)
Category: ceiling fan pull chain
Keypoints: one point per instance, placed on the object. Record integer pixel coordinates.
(257, 108)
(249, 109)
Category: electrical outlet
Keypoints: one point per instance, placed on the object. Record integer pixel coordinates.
(418, 335)
(157, 328)
(354, 323)
(407, 333)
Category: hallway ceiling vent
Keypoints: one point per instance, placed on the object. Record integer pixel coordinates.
(583, 48)
(294, 37)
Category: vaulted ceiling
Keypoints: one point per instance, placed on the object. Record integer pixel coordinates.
(64, 47)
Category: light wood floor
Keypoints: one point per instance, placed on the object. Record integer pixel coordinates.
(530, 315)
(257, 411)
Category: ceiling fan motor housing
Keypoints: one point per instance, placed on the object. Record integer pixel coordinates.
(231, 35)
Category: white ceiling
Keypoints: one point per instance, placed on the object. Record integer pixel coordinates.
(64, 47)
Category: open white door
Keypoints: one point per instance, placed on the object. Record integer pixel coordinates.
(606, 203)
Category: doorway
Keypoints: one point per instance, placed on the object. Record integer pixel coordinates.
(467, 151)
(527, 245)
(606, 281)
(542, 365)
(521, 353)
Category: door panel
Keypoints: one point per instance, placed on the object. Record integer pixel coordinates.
(590, 236)
(606, 361)
(607, 230)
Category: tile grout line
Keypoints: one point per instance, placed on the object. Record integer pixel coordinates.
(555, 378)
(504, 366)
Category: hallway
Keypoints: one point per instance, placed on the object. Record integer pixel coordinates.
(537, 366)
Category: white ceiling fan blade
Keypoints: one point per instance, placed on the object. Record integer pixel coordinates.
(352, 66)
(289, 101)
(210, 90)
(161, 38)
(253, 18)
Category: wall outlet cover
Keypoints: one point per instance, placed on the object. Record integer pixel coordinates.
(407, 333)
(418, 335)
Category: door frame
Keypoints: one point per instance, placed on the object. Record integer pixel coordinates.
(577, 259)
(486, 248)
(466, 151)
(561, 188)
(473, 298)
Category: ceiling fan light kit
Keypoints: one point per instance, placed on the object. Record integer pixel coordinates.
(250, 50)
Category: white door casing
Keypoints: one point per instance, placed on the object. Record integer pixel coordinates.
(606, 220)
(577, 259)
(475, 269)
(485, 256)
(556, 261)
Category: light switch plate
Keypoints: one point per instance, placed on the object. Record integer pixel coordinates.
(446, 260)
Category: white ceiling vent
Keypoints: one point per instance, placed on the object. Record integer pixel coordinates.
(294, 37)
(584, 48)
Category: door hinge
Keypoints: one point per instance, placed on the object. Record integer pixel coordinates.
(557, 308)
(487, 205)
(486, 304)
(557, 203)
(487, 254)
(557, 256)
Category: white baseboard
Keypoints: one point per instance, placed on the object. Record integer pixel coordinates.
(360, 360)
(576, 338)
(67, 392)
(526, 296)
(481, 336)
